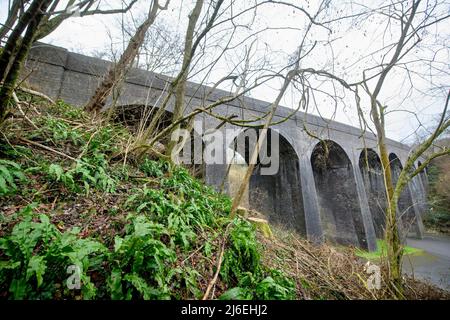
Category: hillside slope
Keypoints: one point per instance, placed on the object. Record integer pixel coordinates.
(82, 219)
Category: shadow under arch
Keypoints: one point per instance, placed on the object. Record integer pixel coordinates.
(372, 172)
(340, 212)
(423, 175)
(277, 195)
(405, 203)
(135, 116)
(138, 117)
(419, 163)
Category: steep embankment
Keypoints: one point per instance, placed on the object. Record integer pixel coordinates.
(76, 209)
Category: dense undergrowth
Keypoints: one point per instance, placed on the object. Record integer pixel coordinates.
(76, 209)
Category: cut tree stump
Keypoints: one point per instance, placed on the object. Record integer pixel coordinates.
(263, 226)
(241, 211)
(259, 223)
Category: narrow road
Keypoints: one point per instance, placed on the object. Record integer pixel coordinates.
(434, 264)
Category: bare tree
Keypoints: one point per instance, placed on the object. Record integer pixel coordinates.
(117, 72)
(13, 55)
(291, 75)
(178, 85)
(36, 21)
(76, 8)
(189, 50)
(162, 49)
(404, 26)
(15, 10)
(411, 20)
(197, 43)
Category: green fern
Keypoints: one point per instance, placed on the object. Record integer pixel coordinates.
(10, 173)
(36, 254)
(86, 174)
(58, 174)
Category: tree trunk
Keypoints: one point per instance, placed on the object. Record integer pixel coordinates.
(394, 247)
(13, 43)
(117, 72)
(181, 84)
(394, 250)
(18, 59)
(178, 85)
(256, 150)
(12, 17)
(393, 243)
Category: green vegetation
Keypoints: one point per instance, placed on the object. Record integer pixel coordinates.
(10, 173)
(37, 256)
(382, 249)
(74, 205)
(438, 217)
(133, 229)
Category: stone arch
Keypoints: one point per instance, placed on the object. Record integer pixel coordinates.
(193, 151)
(133, 115)
(340, 212)
(138, 116)
(405, 204)
(372, 172)
(276, 194)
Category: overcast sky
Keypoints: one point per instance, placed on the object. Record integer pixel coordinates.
(347, 55)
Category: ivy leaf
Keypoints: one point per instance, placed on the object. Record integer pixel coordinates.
(3, 187)
(141, 227)
(56, 171)
(18, 288)
(117, 243)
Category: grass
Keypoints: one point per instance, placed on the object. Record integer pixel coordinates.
(382, 250)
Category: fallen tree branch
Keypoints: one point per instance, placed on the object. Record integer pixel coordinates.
(37, 144)
(18, 102)
(37, 93)
(219, 263)
(216, 275)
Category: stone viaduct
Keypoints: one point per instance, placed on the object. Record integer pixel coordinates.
(333, 193)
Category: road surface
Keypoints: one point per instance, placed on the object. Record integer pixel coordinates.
(434, 264)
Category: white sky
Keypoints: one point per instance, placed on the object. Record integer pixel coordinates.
(345, 57)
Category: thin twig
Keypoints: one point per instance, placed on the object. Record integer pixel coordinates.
(216, 275)
(219, 264)
(18, 102)
(37, 93)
